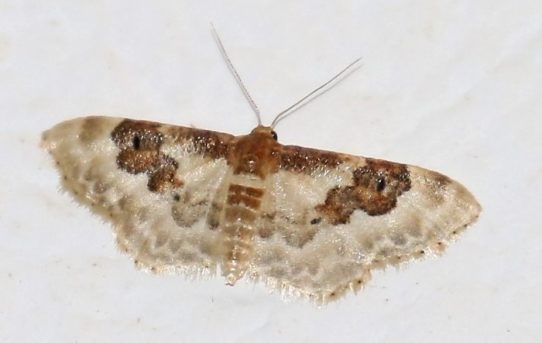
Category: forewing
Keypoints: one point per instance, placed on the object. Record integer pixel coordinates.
(327, 221)
(154, 182)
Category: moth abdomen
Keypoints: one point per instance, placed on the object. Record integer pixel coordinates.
(242, 205)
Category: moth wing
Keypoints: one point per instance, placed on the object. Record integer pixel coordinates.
(154, 182)
(328, 221)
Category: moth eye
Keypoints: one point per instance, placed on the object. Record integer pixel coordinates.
(274, 135)
(136, 142)
(380, 184)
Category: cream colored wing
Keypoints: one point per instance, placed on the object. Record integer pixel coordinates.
(326, 222)
(154, 182)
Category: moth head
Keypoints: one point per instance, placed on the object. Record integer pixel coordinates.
(265, 131)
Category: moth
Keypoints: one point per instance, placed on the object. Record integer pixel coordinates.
(309, 222)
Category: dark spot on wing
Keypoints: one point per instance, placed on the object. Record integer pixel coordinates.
(137, 142)
(380, 184)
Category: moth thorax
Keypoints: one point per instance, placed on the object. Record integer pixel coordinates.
(253, 154)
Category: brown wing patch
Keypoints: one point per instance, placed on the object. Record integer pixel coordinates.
(140, 142)
(208, 143)
(375, 188)
(304, 160)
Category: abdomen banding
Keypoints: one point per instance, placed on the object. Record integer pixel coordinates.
(243, 195)
(243, 203)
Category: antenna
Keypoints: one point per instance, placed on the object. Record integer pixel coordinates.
(301, 102)
(235, 74)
